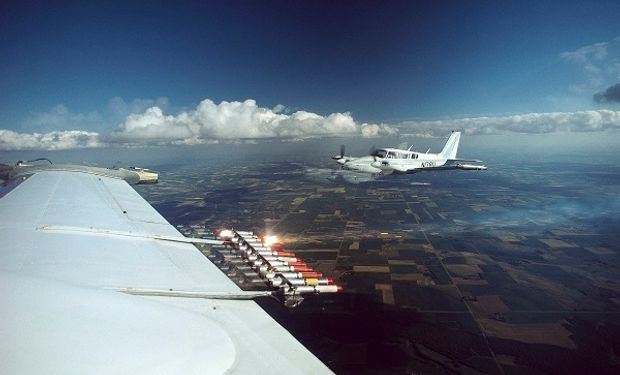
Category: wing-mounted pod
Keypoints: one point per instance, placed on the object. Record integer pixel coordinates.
(281, 270)
(145, 176)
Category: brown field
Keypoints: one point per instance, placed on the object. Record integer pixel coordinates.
(417, 277)
(387, 294)
(556, 244)
(600, 250)
(301, 251)
(464, 270)
(382, 269)
(402, 262)
(538, 333)
(491, 304)
(462, 281)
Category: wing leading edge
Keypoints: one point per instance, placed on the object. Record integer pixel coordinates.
(62, 312)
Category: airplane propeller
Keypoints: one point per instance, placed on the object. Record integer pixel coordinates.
(341, 159)
(341, 156)
(372, 152)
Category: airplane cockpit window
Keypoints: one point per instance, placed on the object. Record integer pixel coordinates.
(379, 153)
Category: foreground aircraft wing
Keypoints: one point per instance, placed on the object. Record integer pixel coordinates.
(72, 244)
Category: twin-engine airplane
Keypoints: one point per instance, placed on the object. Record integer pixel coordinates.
(93, 280)
(399, 161)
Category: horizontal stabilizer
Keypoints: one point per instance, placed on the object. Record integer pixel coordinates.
(465, 164)
(476, 165)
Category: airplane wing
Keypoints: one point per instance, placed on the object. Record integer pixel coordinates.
(71, 242)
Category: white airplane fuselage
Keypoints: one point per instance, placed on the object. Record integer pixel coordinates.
(394, 160)
(376, 164)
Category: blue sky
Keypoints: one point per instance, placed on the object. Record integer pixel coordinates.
(88, 66)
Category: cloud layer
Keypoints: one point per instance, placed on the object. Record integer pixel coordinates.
(207, 123)
(532, 123)
(60, 118)
(55, 140)
(233, 121)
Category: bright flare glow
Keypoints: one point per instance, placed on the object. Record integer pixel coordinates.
(226, 233)
(270, 240)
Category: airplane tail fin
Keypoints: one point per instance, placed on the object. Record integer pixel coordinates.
(449, 150)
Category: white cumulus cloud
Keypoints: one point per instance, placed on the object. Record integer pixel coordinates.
(238, 120)
(374, 130)
(119, 108)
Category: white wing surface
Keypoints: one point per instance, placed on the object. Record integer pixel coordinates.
(70, 240)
